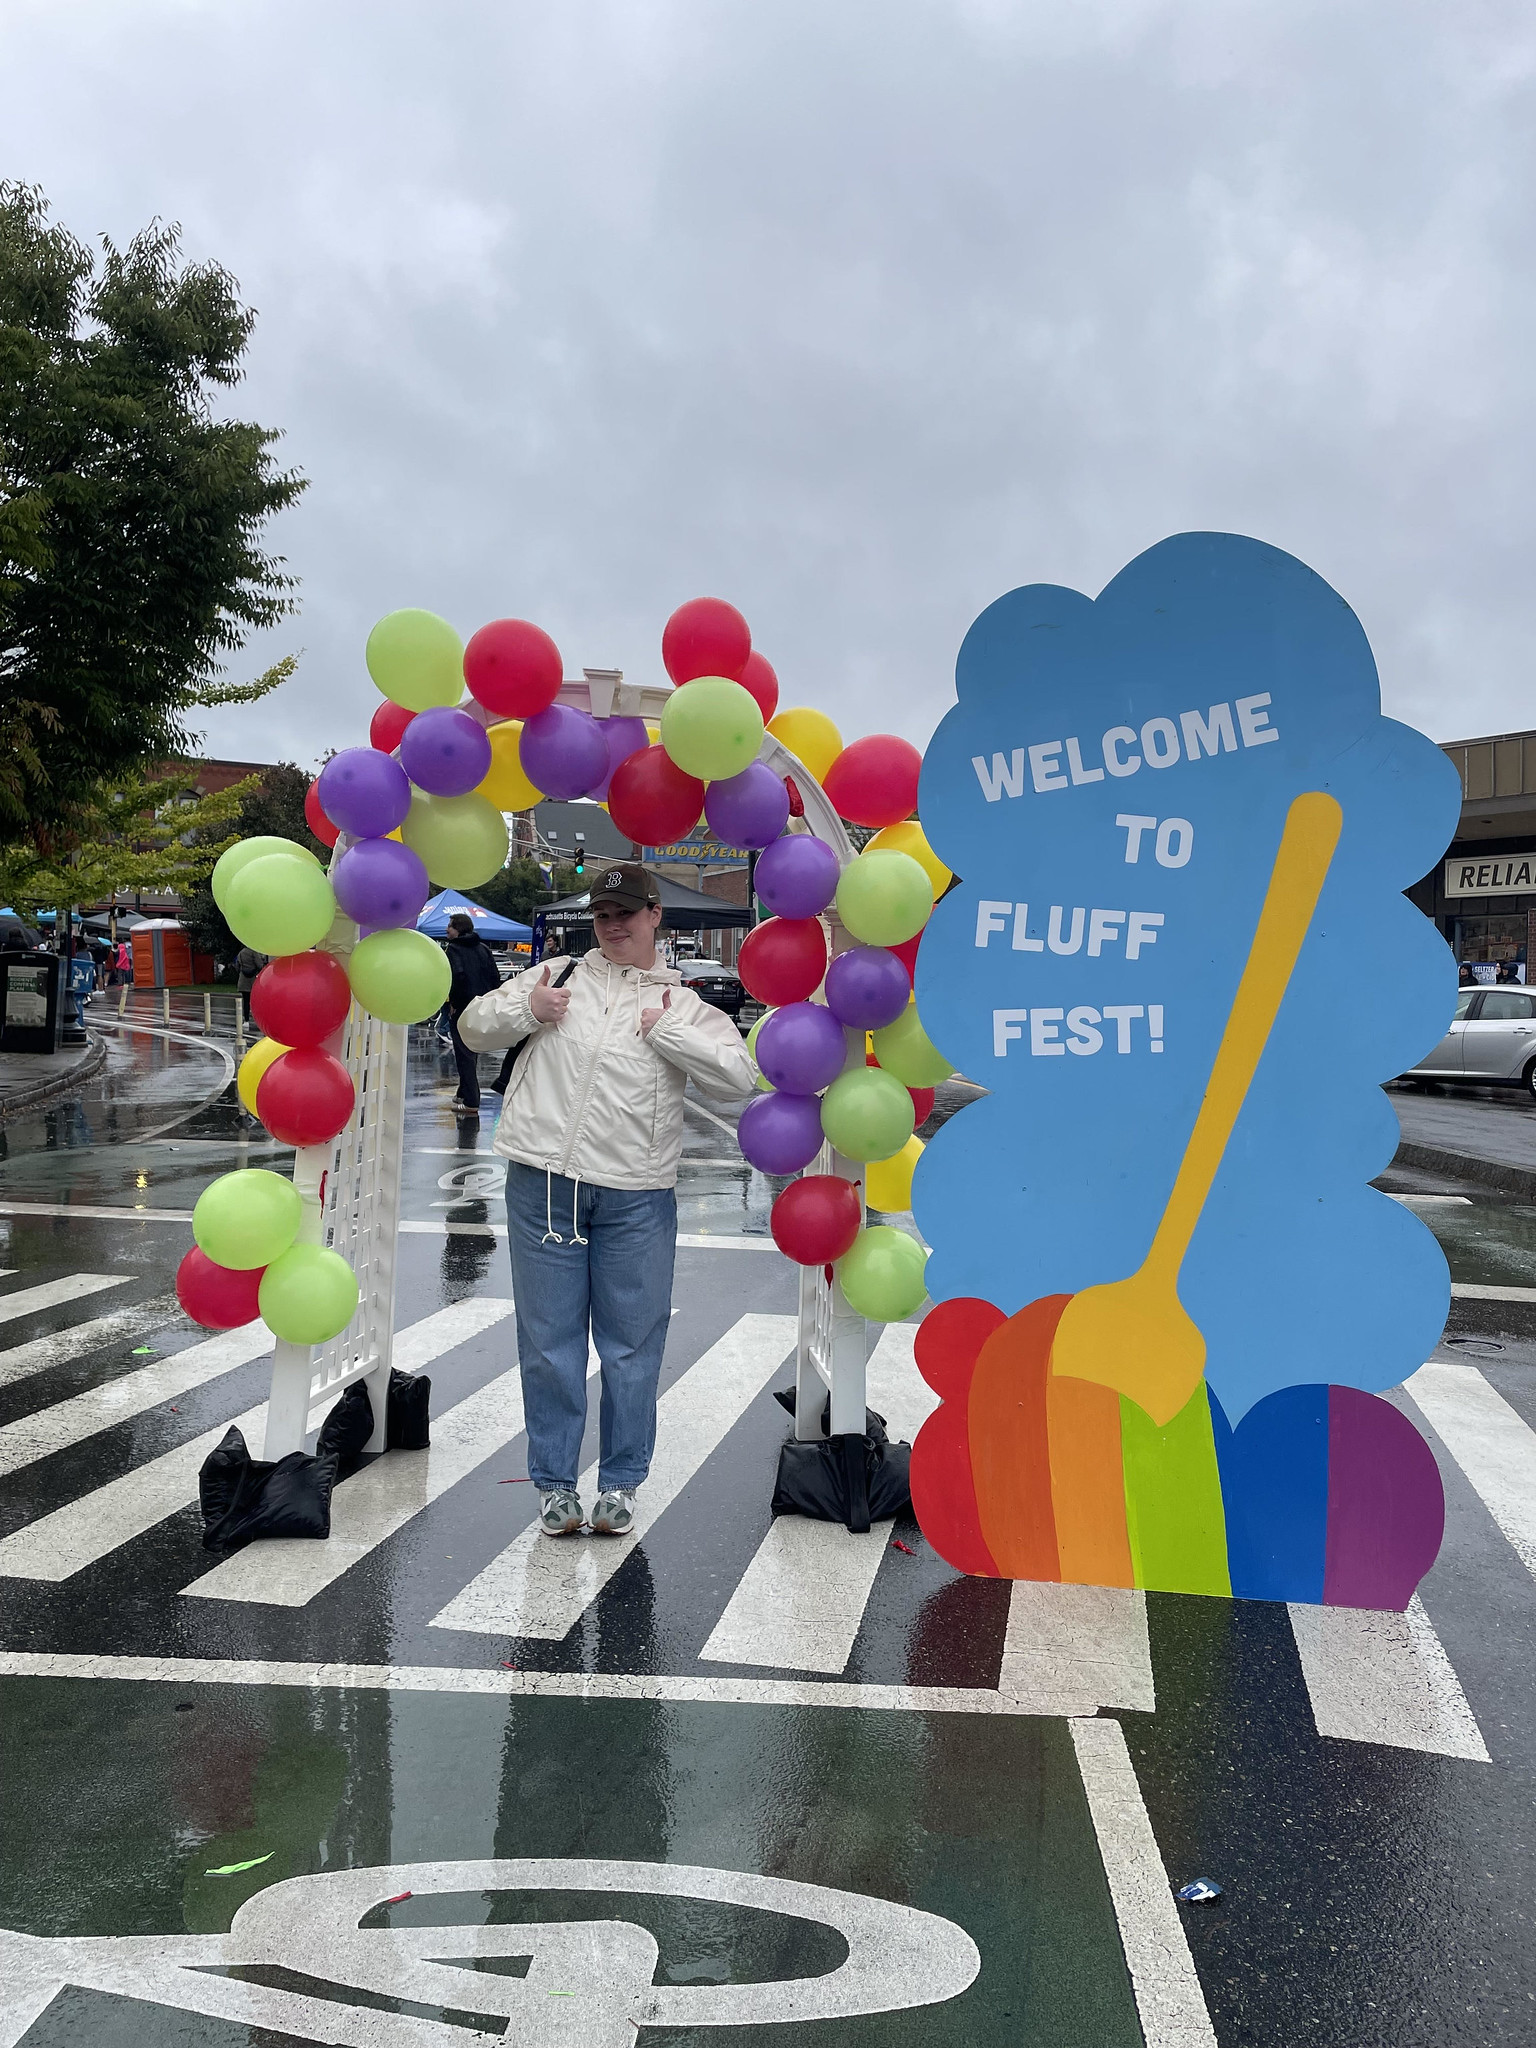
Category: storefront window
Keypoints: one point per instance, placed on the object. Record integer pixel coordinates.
(1492, 948)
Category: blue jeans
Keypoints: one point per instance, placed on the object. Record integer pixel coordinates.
(618, 1283)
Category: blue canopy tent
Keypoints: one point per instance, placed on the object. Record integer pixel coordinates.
(449, 903)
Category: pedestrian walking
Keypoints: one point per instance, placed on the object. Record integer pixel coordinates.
(248, 964)
(473, 968)
(124, 964)
(591, 1130)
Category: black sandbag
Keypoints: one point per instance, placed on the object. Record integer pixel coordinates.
(874, 1425)
(855, 1480)
(407, 1424)
(345, 1431)
(245, 1499)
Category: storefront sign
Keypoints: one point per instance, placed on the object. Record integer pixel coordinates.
(703, 852)
(1166, 1294)
(1500, 874)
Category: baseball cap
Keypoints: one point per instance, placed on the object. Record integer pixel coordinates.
(625, 882)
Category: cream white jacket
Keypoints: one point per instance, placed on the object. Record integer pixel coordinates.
(591, 1098)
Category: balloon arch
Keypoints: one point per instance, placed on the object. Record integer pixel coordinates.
(846, 1071)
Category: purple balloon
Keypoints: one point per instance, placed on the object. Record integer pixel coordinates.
(563, 751)
(445, 751)
(364, 793)
(802, 1048)
(867, 987)
(780, 1133)
(381, 884)
(749, 809)
(622, 737)
(797, 875)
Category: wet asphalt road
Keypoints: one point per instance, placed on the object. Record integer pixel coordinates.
(1378, 1882)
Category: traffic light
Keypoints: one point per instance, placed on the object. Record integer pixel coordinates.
(581, 854)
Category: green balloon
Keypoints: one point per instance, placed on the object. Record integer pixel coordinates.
(905, 1050)
(231, 862)
(712, 728)
(763, 1081)
(279, 906)
(308, 1295)
(248, 1218)
(416, 659)
(867, 1114)
(400, 977)
(461, 840)
(881, 1273)
(884, 897)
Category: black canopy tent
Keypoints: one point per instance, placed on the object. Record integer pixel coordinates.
(682, 910)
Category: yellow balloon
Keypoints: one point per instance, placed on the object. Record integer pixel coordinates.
(810, 736)
(908, 837)
(888, 1182)
(253, 1066)
(505, 783)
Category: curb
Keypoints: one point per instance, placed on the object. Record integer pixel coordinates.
(20, 1100)
(1483, 1173)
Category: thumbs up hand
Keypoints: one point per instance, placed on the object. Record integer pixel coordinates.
(649, 1019)
(549, 1005)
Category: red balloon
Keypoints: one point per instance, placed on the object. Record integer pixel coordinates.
(906, 953)
(758, 677)
(386, 726)
(783, 960)
(705, 637)
(215, 1296)
(874, 781)
(513, 668)
(816, 1218)
(301, 999)
(922, 1098)
(651, 800)
(318, 822)
(305, 1097)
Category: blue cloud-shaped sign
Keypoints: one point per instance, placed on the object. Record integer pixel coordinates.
(1113, 786)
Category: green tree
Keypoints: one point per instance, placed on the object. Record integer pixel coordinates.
(520, 889)
(271, 806)
(130, 515)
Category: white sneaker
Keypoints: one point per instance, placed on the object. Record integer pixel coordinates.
(613, 1513)
(560, 1513)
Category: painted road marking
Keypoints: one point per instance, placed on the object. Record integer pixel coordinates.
(55, 1428)
(23, 1360)
(1074, 1649)
(570, 1685)
(1464, 1290)
(375, 1502)
(800, 1602)
(1169, 2001)
(58, 1545)
(709, 1115)
(703, 1241)
(541, 1589)
(1492, 1444)
(54, 1293)
(1380, 1677)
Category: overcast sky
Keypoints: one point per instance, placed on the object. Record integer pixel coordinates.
(858, 314)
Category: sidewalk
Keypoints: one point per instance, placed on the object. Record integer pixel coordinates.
(1485, 1136)
(30, 1079)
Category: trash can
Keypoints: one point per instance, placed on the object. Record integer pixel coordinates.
(31, 1015)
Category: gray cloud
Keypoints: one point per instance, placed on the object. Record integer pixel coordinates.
(857, 316)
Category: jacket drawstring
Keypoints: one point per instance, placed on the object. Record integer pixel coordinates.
(551, 1235)
(576, 1236)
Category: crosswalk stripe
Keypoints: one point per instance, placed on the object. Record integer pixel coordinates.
(799, 1604)
(1169, 2001)
(31, 1437)
(1492, 1444)
(1075, 1649)
(54, 1293)
(23, 1360)
(58, 1545)
(1385, 1678)
(383, 1497)
(541, 1589)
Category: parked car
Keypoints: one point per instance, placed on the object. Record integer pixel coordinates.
(719, 986)
(1491, 1041)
